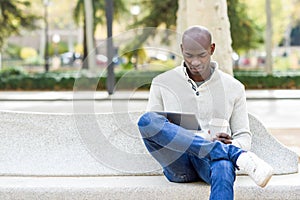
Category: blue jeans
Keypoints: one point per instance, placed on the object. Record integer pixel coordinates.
(186, 157)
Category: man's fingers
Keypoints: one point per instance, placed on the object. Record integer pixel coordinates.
(223, 135)
(223, 140)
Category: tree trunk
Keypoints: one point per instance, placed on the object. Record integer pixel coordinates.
(85, 64)
(268, 67)
(110, 81)
(88, 7)
(213, 15)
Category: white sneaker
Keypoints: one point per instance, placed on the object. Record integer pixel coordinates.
(260, 171)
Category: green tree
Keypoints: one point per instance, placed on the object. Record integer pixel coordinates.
(158, 13)
(99, 16)
(285, 13)
(14, 16)
(155, 13)
(245, 33)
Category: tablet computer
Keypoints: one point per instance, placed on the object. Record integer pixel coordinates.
(186, 120)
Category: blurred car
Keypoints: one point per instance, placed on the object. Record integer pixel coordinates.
(102, 60)
(69, 58)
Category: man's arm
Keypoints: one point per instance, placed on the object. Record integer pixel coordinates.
(155, 102)
(239, 123)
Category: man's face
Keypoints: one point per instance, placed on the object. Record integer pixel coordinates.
(197, 56)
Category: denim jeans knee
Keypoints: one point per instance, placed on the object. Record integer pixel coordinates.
(145, 119)
(150, 123)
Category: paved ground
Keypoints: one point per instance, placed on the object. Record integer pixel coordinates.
(277, 109)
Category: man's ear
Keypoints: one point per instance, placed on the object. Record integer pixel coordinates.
(212, 48)
(181, 48)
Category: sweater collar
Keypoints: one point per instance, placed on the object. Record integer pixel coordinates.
(213, 65)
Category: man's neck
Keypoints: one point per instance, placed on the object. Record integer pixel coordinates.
(201, 77)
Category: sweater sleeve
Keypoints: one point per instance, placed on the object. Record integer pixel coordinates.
(155, 102)
(239, 123)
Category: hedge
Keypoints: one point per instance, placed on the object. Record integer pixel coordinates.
(128, 80)
(261, 80)
(67, 81)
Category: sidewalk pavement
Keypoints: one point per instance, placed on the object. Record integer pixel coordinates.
(125, 95)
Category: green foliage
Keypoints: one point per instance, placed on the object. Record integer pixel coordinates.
(98, 15)
(260, 80)
(99, 11)
(12, 71)
(160, 12)
(13, 51)
(281, 63)
(13, 17)
(61, 47)
(127, 66)
(157, 65)
(155, 13)
(12, 79)
(245, 33)
(141, 56)
(16, 79)
(284, 14)
(37, 60)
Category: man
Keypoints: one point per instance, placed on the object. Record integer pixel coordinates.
(199, 87)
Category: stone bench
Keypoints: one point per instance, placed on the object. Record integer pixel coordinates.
(101, 156)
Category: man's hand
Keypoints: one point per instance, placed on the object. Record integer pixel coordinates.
(223, 137)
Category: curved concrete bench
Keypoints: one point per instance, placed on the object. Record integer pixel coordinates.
(35, 144)
(107, 147)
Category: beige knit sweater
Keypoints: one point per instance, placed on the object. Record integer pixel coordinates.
(221, 96)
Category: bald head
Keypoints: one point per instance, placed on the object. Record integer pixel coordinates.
(198, 35)
(196, 48)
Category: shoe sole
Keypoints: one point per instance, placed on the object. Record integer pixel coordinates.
(267, 179)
